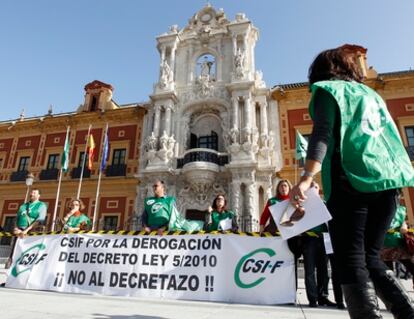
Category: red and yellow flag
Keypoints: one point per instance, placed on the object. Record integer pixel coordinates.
(91, 151)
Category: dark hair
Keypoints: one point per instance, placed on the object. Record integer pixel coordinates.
(280, 182)
(340, 63)
(214, 206)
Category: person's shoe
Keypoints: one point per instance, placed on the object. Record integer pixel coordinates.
(313, 304)
(361, 301)
(340, 305)
(3, 284)
(394, 296)
(326, 302)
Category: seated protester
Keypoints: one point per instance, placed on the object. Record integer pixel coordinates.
(160, 213)
(220, 218)
(74, 219)
(282, 193)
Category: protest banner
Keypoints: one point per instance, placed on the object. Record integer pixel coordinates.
(211, 267)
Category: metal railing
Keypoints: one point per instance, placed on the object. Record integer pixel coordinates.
(203, 155)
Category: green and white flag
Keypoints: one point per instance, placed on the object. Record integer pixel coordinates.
(65, 156)
(179, 223)
(301, 146)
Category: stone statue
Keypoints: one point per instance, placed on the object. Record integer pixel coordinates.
(151, 142)
(164, 141)
(166, 74)
(239, 64)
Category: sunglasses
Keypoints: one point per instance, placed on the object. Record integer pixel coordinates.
(297, 215)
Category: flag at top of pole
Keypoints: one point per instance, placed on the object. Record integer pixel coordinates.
(64, 163)
(105, 151)
(91, 151)
(301, 146)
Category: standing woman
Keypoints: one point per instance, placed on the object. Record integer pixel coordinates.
(74, 220)
(364, 163)
(282, 193)
(219, 215)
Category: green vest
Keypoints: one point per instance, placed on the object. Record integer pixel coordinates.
(76, 221)
(33, 211)
(158, 210)
(372, 153)
(217, 217)
(395, 239)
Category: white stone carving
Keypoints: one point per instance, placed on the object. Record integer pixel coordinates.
(166, 74)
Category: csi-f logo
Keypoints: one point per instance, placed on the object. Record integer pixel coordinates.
(259, 262)
(28, 259)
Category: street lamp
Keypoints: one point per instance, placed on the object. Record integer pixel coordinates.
(29, 182)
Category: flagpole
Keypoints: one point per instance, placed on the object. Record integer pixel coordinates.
(60, 181)
(83, 162)
(95, 210)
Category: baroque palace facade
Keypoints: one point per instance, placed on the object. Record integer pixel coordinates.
(211, 126)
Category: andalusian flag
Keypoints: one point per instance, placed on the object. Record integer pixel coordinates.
(64, 162)
(301, 146)
(91, 151)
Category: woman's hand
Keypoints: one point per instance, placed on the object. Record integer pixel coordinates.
(404, 228)
(261, 230)
(210, 209)
(297, 194)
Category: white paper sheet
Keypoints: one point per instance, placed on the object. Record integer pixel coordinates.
(328, 244)
(316, 213)
(225, 224)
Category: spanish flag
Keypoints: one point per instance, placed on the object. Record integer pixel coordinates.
(91, 151)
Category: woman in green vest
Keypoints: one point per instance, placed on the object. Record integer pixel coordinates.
(74, 220)
(220, 217)
(357, 145)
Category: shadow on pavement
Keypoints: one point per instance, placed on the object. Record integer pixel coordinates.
(102, 316)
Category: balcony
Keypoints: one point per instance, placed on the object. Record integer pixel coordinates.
(76, 172)
(19, 176)
(203, 155)
(410, 151)
(49, 174)
(116, 170)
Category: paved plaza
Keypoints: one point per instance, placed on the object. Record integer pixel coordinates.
(16, 304)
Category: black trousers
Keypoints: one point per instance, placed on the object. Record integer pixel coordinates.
(316, 269)
(357, 229)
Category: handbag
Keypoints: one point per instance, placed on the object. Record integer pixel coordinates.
(409, 242)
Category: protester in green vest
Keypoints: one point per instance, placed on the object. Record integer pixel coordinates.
(363, 160)
(74, 220)
(220, 217)
(30, 215)
(160, 213)
(394, 245)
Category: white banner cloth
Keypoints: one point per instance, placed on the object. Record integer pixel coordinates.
(229, 268)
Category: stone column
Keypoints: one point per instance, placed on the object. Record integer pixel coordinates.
(190, 64)
(247, 118)
(263, 117)
(172, 60)
(162, 60)
(168, 109)
(235, 102)
(235, 197)
(141, 194)
(234, 38)
(250, 201)
(156, 127)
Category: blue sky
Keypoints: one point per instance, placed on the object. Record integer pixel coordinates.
(50, 49)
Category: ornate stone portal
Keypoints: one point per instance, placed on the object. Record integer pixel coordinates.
(211, 126)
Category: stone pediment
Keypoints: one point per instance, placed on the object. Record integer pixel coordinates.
(207, 20)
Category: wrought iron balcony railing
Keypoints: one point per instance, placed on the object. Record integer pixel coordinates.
(116, 170)
(49, 174)
(76, 172)
(203, 155)
(18, 176)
